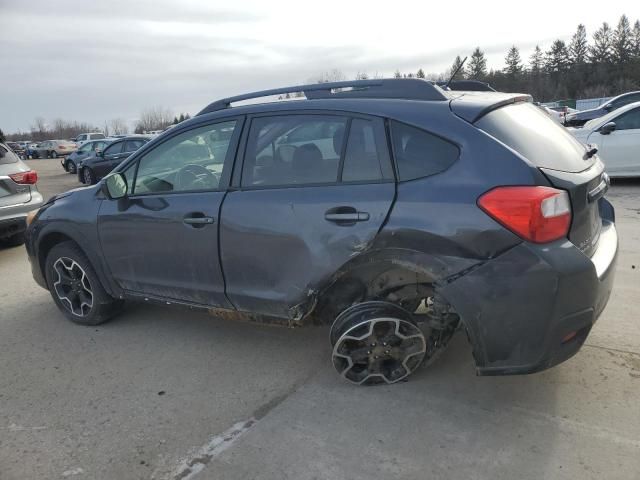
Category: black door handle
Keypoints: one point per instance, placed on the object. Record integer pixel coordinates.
(345, 215)
(198, 221)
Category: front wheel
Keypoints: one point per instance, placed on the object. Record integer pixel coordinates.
(75, 287)
(71, 167)
(88, 176)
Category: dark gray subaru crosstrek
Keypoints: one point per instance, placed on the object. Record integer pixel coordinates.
(391, 209)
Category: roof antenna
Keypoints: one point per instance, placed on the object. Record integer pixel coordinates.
(446, 87)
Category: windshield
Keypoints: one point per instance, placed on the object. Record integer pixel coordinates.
(533, 134)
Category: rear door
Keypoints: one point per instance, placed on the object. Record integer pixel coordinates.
(620, 149)
(313, 192)
(162, 239)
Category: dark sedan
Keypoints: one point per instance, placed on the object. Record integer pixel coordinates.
(90, 148)
(100, 163)
(578, 119)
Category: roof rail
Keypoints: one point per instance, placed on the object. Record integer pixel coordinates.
(400, 88)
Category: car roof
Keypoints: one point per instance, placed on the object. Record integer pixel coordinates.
(390, 98)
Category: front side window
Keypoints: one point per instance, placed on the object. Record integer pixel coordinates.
(419, 153)
(114, 149)
(629, 120)
(191, 161)
(293, 150)
(82, 138)
(133, 145)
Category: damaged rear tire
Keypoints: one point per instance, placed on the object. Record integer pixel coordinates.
(376, 343)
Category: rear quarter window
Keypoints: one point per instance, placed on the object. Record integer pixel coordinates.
(533, 134)
(420, 154)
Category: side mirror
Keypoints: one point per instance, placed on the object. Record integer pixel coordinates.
(608, 107)
(607, 128)
(114, 186)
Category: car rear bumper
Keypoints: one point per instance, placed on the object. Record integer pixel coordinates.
(533, 306)
(13, 218)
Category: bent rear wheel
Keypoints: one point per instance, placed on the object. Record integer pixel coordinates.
(376, 343)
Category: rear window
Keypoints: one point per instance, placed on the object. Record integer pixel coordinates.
(7, 156)
(97, 135)
(534, 135)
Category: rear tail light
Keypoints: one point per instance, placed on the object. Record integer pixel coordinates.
(537, 214)
(25, 178)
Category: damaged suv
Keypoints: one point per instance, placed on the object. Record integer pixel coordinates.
(393, 210)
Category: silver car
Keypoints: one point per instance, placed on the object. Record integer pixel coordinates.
(18, 196)
(55, 148)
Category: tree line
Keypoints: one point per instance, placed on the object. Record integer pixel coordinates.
(607, 65)
(151, 119)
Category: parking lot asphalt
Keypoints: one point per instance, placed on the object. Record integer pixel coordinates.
(167, 393)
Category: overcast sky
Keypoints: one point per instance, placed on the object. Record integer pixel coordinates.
(97, 60)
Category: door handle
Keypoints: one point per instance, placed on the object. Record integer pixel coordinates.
(345, 215)
(198, 222)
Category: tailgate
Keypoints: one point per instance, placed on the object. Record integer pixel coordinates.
(585, 189)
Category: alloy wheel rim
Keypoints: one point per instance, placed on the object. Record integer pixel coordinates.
(72, 286)
(380, 350)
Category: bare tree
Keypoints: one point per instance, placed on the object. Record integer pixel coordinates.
(333, 75)
(155, 118)
(118, 126)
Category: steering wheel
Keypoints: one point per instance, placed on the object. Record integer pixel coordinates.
(195, 177)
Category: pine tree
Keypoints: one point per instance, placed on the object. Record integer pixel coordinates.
(2, 137)
(477, 68)
(557, 58)
(513, 61)
(579, 46)
(636, 39)
(536, 61)
(181, 119)
(456, 64)
(420, 73)
(622, 41)
(397, 74)
(600, 51)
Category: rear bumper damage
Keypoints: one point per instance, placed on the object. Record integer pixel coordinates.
(533, 306)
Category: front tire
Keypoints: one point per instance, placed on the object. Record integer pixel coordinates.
(71, 167)
(75, 287)
(88, 176)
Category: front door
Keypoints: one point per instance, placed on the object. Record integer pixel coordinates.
(111, 158)
(162, 239)
(315, 190)
(620, 150)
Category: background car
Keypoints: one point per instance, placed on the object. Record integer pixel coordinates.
(18, 196)
(16, 148)
(94, 167)
(85, 137)
(617, 137)
(70, 163)
(578, 119)
(54, 149)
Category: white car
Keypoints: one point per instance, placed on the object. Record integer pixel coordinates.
(617, 136)
(86, 137)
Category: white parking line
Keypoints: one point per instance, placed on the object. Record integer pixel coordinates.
(193, 464)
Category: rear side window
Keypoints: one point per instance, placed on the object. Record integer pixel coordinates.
(293, 150)
(626, 100)
(419, 153)
(534, 135)
(97, 135)
(7, 156)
